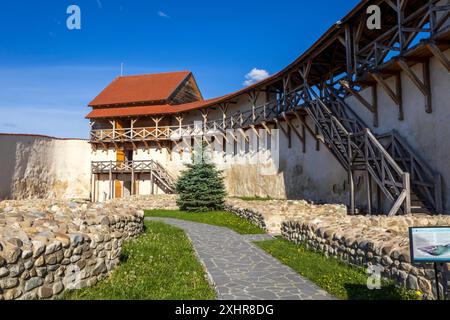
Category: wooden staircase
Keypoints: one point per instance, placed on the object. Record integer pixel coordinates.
(164, 180)
(400, 175)
(158, 173)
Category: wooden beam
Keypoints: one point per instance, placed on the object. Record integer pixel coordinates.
(395, 96)
(425, 89)
(299, 136)
(356, 94)
(243, 134)
(314, 133)
(434, 49)
(224, 136)
(256, 131)
(233, 136)
(398, 89)
(348, 50)
(266, 128)
(386, 87)
(281, 127)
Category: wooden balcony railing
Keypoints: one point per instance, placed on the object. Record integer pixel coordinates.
(163, 177)
(140, 134)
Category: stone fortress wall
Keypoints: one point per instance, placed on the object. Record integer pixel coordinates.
(367, 241)
(49, 246)
(34, 166)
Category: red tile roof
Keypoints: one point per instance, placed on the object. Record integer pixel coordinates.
(148, 110)
(140, 89)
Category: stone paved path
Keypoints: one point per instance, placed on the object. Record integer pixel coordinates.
(240, 270)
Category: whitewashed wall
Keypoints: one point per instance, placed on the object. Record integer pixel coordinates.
(427, 133)
(44, 167)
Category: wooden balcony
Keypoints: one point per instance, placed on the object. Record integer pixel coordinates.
(124, 166)
(157, 172)
(140, 134)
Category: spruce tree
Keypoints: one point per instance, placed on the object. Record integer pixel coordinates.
(201, 187)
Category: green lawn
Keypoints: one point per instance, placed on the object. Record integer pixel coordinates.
(159, 265)
(217, 218)
(336, 277)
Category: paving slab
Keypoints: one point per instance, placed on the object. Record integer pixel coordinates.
(240, 270)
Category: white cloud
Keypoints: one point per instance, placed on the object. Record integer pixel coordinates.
(163, 14)
(255, 75)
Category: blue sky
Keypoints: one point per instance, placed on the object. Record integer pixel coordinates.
(49, 74)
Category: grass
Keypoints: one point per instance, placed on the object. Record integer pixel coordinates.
(159, 265)
(336, 277)
(217, 218)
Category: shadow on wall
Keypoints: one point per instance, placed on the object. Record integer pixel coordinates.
(291, 183)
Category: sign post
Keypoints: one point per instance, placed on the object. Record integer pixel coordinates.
(430, 245)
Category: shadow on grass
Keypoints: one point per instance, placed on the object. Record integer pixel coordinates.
(387, 292)
(123, 258)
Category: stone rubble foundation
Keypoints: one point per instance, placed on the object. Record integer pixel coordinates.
(360, 240)
(48, 246)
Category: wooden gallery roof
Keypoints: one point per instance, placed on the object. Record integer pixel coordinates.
(177, 92)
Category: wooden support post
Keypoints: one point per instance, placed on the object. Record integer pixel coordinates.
(427, 83)
(398, 87)
(316, 134)
(92, 186)
(224, 108)
(133, 121)
(375, 106)
(252, 98)
(348, 51)
(289, 129)
(380, 204)
(97, 188)
(113, 123)
(367, 175)
(351, 181)
(303, 135)
(205, 117)
(369, 192)
(407, 186)
(352, 190)
(132, 179)
(111, 196)
(180, 124)
(400, 17)
(157, 121)
(151, 182)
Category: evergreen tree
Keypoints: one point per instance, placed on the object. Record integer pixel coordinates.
(201, 187)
